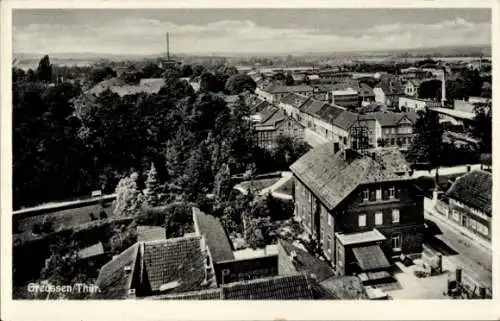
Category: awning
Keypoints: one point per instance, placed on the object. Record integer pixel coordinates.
(370, 258)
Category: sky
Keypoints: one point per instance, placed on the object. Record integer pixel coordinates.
(207, 31)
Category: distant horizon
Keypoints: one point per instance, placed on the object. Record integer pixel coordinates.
(141, 32)
(381, 52)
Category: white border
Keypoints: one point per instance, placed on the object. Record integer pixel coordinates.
(215, 310)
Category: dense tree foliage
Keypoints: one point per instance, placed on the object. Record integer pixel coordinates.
(482, 127)
(238, 83)
(430, 89)
(96, 75)
(426, 146)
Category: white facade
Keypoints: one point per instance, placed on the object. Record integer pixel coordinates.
(412, 103)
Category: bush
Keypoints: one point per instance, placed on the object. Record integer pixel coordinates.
(92, 216)
(48, 226)
(103, 215)
(420, 274)
(37, 228)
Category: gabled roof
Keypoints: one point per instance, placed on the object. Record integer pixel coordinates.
(113, 281)
(314, 107)
(277, 116)
(216, 238)
(473, 189)
(329, 112)
(293, 287)
(177, 260)
(295, 100)
(331, 178)
(345, 120)
(391, 119)
(365, 90)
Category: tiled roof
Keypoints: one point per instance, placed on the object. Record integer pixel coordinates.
(179, 260)
(293, 287)
(332, 179)
(390, 119)
(365, 90)
(295, 100)
(314, 107)
(345, 120)
(113, 281)
(215, 235)
(306, 263)
(370, 258)
(267, 113)
(473, 189)
(150, 233)
(279, 115)
(329, 112)
(209, 294)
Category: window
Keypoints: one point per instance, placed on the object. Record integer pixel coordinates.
(379, 218)
(309, 198)
(396, 242)
(378, 194)
(395, 216)
(391, 192)
(329, 219)
(362, 220)
(365, 195)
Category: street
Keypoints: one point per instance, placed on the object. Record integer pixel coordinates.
(460, 250)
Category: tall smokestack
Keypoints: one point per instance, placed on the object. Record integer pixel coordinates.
(443, 86)
(168, 47)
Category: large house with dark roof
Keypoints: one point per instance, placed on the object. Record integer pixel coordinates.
(355, 203)
(469, 201)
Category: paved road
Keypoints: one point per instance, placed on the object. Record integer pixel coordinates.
(475, 260)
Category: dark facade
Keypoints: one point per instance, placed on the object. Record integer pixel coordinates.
(393, 208)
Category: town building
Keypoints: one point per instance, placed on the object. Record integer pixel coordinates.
(361, 207)
(392, 88)
(348, 98)
(292, 103)
(366, 95)
(406, 103)
(273, 122)
(204, 266)
(393, 129)
(470, 204)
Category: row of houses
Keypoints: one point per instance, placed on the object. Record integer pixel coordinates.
(336, 123)
(204, 265)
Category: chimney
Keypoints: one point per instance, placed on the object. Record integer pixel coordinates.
(336, 147)
(168, 47)
(458, 275)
